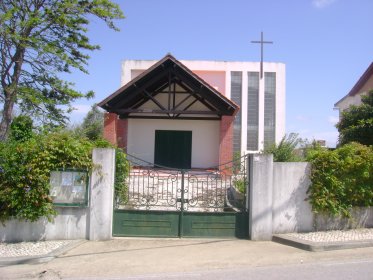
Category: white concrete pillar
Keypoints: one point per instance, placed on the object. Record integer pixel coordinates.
(102, 194)
(261, 190)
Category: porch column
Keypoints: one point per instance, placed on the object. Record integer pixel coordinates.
(122, 130)
(110, 127)
(226, 139)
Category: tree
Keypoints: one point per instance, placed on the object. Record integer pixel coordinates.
(21, 128)
(93, 124)
(356, 124)
(40, 39)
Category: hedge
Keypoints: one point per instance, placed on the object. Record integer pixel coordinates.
(25, 168)
(341, 179)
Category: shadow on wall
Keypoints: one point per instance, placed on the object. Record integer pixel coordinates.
(303, 208)
(291, 211)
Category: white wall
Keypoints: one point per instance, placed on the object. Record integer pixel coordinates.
(70, 223)
(205, 139)
(346, 102)
(291, 212)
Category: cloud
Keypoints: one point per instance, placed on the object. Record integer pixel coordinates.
(333, 120)
(320, 4)
(302, 118)
(81, 108)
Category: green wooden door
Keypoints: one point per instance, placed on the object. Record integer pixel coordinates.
(173, 148)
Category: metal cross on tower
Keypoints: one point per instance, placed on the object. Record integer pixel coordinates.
(261, 42)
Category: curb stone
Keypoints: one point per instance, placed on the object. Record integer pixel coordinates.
(42, 258)
(319, 246)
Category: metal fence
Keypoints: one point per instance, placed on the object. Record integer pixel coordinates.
(217, 189)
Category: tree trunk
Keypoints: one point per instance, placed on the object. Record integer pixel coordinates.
(10, 93)
(6, 116)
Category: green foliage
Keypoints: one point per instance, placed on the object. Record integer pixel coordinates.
(341, 179)
(356, 124)
(26, 167)
(237, 164)
(25, 171)
(93, 124)
(121, 173)
(285, 151)
(240, 185)
(21, 128)
(39, 40)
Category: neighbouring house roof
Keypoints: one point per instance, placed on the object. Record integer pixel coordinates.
(359, 84)
(127, 100)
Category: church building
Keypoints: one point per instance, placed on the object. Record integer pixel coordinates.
(195, 114)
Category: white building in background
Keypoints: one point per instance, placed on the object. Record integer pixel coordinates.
(362, 86)
(228, 107)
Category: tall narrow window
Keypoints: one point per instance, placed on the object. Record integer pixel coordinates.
(236, 96)
(252, 110)
(269, 108)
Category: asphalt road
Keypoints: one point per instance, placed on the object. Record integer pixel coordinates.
(354, 270)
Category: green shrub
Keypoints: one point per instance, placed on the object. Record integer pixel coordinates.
(25, 171)
(240, 184)
(341, 179)
(26, 167)
(121, 173)
(285, 151)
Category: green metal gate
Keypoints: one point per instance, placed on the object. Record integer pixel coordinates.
(166, 202)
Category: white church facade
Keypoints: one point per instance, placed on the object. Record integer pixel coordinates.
(195, 114)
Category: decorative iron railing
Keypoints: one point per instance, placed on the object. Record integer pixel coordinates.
(217, 189)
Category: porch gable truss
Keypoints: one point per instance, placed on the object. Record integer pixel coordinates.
(168, 90)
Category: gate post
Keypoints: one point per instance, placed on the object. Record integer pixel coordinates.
(102, 194)
(260, 197)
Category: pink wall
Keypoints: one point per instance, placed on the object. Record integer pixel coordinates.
(215, 79)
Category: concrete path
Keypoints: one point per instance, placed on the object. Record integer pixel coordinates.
(127, 257)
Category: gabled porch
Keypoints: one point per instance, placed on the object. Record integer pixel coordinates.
(170, 116)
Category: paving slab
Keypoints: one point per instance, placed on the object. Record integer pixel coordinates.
(35, 252)
(327, 240)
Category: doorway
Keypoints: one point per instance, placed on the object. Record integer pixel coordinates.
(173, 148)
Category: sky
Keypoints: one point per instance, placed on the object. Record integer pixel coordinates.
(326, 46)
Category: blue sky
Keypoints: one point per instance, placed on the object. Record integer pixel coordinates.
(325, 44)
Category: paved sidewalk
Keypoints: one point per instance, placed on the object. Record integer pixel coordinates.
(34, 252)
(44, 251)
(131, 257)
